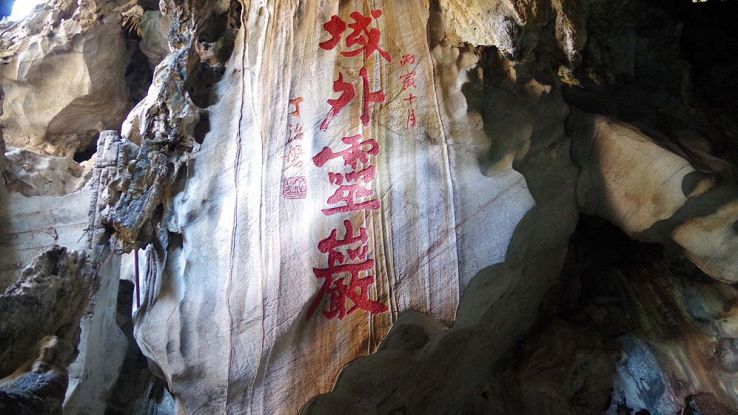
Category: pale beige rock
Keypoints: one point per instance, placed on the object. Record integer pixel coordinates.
(32, 174)
(711, 241)
(656, 195)
(240, 275)
(102, 349)
(63, 77)
(29, 225)
(154, 29)
(626, 177)
(514, 26)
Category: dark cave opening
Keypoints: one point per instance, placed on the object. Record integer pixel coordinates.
(137, 390)
(202, 127)
(708, 42)
(87, 152)
(638, 303)
(138, 77)
(710, 35)
(149, 4)
(213, 48)
(680, 75)
(139, 74)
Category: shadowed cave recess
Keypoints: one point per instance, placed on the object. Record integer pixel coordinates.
(549, 221)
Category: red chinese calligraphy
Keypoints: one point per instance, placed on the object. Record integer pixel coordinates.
(376, 97)
(408, 59)
(347, 279)
(350, 188)
(295, 132)
(366, 38)
(366, 175)
(347, 94)
(296, 102)
(408, 81)
(294, 187)
(293, 158)
(335, 27)
(348, 194)
(412, 120)
(351, 155)
(329, 244)
(341, 279)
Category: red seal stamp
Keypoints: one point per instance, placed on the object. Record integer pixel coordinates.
(294, 187)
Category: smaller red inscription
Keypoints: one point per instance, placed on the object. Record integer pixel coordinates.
(296, 133)
(293, 158)
(294, 187)
(408, 59)
(296, 102)
(408, 80)
(411, 119)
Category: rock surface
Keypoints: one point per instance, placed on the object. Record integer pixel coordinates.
(41, 390)
(63, 76)
(47, 300)
(504, 134)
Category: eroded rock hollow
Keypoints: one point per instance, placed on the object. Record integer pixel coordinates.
(384, 207)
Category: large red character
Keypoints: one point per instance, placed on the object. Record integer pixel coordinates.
(362, 35)
(347, 94)
(335, 27)
(367, 39)
(368, 97)
(352, 155)
(347, 195)
(350, 285)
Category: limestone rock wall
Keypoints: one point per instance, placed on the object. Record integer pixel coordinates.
(432, 238)
(341, 206)
(63, 77)
(39, 331)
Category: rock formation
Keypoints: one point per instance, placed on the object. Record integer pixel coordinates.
(421, 206)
